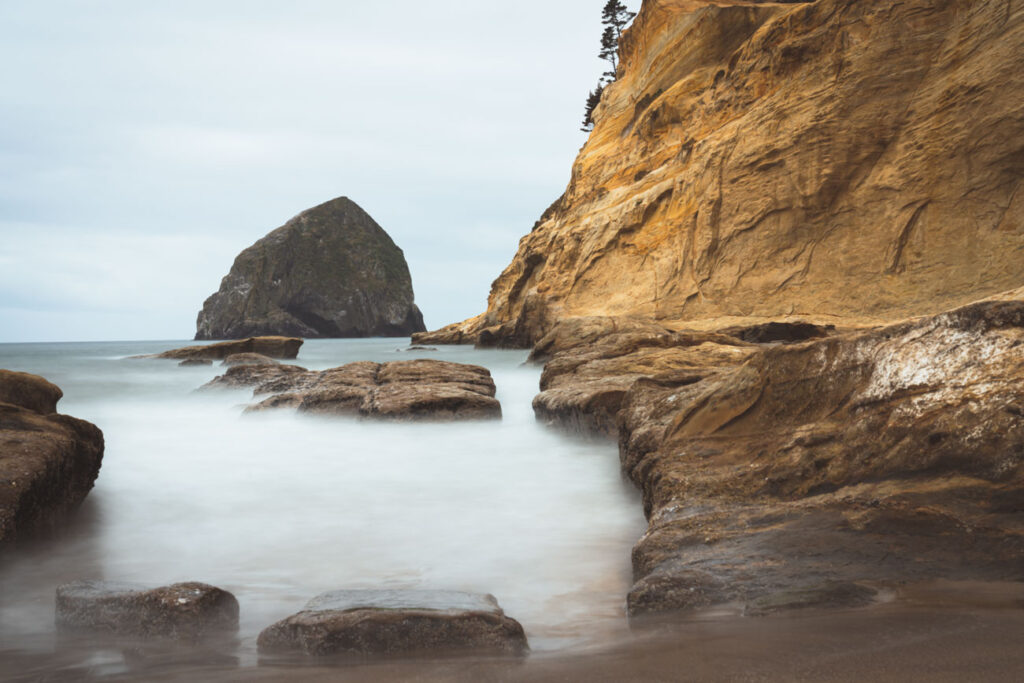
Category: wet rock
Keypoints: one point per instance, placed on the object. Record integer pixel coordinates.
(825, 595)
(417, 349)
(285, 348)
(592, 363)
(392, 622)
(248, 359)
(402, 390)
(329, 272)
(48, 462)
(182, 611)
(772, 475)
(265, 378)
(31, 392)
(195, 362)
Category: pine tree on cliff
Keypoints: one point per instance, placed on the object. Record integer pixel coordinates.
(615, 18)
(592, 101)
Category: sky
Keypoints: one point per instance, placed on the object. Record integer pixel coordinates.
(144, 144)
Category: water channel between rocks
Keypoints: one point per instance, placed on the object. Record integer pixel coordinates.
(279, 507)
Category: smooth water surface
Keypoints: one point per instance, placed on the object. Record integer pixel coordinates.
(279, 507)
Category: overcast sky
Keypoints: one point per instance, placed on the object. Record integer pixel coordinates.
(144, 144)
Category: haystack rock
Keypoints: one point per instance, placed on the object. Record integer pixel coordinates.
(831, 160)
(329, 272)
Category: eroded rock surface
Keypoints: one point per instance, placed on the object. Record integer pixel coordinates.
(810, 474)
(387, 622)
(329, 272)
(836, 159)
(285, 348)
(248, 359)
(419, 389)
(48, 462)
(592, 363)
(182, 611)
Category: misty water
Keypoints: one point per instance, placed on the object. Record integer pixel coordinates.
(280, 507)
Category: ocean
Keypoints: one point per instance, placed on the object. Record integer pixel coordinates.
(278, 507)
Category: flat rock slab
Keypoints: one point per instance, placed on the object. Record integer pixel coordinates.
(390, 622)
(182, 611)
(285, 348)
(403, 390)
(48, 462)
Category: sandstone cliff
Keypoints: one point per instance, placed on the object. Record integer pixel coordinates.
(329, 272)
(835, 160)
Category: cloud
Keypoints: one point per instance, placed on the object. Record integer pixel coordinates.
(143, 145)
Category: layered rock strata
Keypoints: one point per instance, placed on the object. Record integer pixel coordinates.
(285, 348)
(837, 160)
(813, 473)
(400, 390)
(329, 272)
(48, 462)
(389, 622)
(183, 611)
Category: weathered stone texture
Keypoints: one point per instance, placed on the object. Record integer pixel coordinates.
(833, 160)
(329, 272)
(48, 462)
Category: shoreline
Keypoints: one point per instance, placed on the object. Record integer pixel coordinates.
(939, 631)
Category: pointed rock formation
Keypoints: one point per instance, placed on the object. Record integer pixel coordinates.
(329, 272)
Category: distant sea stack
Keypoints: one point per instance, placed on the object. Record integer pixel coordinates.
(330, 272)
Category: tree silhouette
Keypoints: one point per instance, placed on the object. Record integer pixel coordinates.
(592, 101)
(615, 18)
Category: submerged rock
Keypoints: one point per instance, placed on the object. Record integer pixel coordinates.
(182, 611)
(48, 462)
(285, 348)
(419, 389)
(195, 362)
(794, 475)
(329, 272)
(389, 622)
(266, 378)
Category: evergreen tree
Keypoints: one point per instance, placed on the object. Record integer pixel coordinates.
(610, 52)
(615, 18)
(592, 102)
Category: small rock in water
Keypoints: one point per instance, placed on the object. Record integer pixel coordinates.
(387, 622)
(194, 362)
(182, 611)
(286, 348)
(408, 390)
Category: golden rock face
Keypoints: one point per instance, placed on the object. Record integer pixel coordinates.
(840, 161)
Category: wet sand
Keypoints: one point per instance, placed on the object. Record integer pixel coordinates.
(939, 632)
